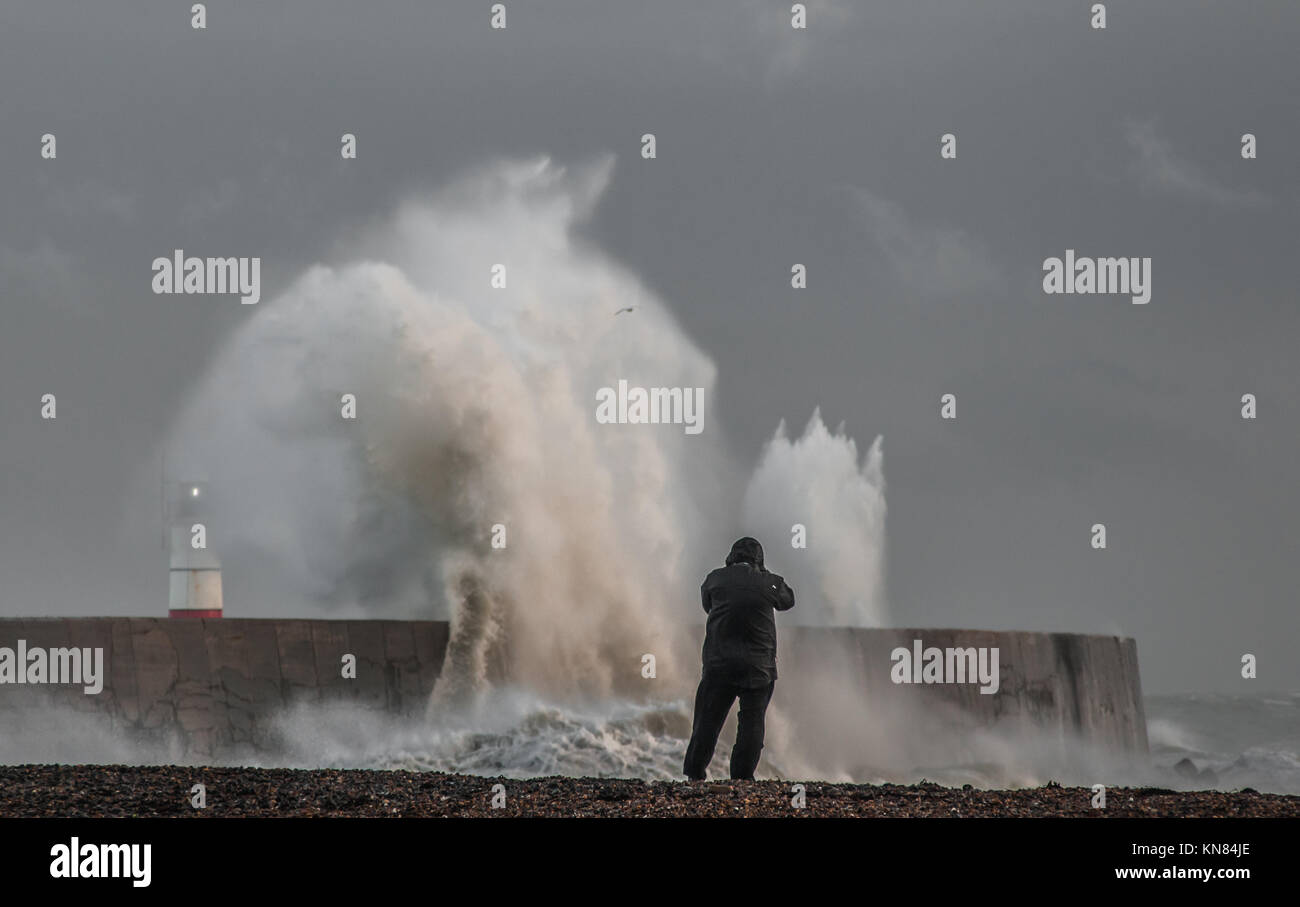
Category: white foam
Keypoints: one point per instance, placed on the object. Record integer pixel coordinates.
(476, 406)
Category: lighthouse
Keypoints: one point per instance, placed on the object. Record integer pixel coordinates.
(195, 572)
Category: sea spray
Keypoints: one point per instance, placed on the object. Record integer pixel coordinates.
(474, 412)
(816, 481)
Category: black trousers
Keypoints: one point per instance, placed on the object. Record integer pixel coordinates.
(713, 701)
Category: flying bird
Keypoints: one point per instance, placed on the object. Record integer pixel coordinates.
(625, 309)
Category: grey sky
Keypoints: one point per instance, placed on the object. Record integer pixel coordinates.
(774, 146)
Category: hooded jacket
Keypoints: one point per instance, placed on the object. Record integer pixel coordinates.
(741, 600)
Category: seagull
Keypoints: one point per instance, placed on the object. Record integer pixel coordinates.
(625, 309)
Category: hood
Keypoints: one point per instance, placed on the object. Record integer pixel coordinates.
(748, 550)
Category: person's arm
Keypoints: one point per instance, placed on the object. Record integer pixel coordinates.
(704, 596)
(784, 594)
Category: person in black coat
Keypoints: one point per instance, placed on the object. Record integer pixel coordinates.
(739, 658)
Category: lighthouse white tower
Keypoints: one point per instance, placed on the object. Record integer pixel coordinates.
(195, 572)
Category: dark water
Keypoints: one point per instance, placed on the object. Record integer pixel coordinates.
(1245, 741)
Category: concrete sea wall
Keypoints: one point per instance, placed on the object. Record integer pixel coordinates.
(1063, 689)
(213, 686)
